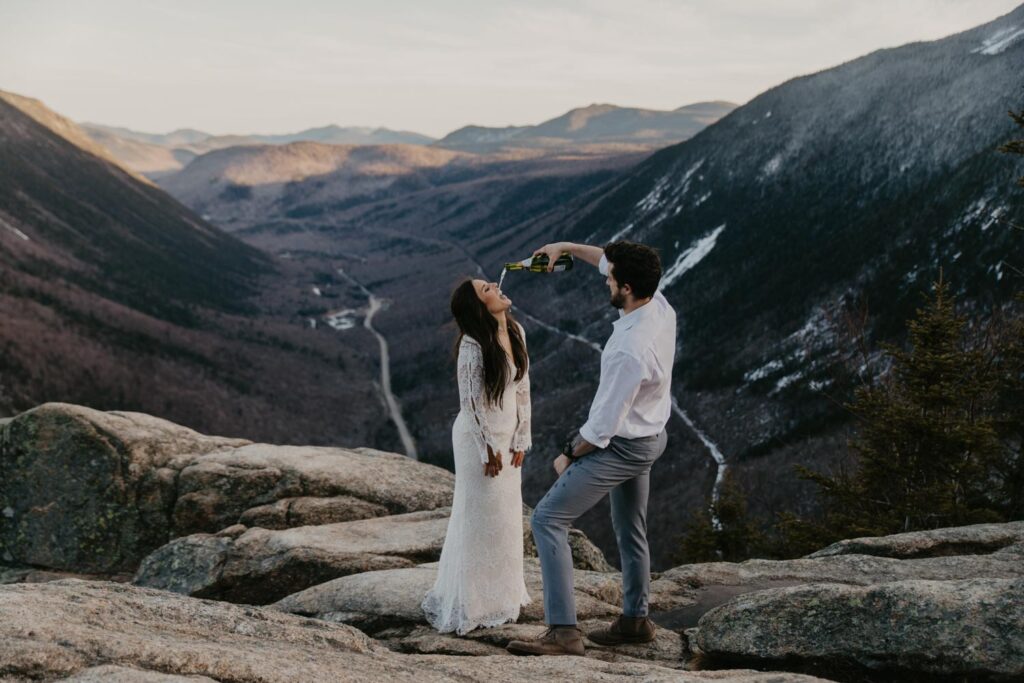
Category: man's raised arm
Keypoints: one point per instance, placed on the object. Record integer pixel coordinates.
(584, 252)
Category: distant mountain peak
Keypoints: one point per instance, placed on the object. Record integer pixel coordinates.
(596, 123)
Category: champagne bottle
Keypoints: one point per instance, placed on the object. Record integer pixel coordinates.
(539, 263)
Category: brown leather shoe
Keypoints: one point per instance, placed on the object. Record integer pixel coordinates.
(557, 640)
(625, 630)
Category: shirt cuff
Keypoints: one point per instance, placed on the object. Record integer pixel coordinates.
(602, 267)
(591, 437)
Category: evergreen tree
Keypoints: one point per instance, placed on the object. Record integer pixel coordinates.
(1011, 424)
(928, 447)
(1009, 489)
(941, 436)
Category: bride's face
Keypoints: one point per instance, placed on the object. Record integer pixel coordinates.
(491, 296)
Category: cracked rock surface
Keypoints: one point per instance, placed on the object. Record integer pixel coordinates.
(85, 630)
(970, 628)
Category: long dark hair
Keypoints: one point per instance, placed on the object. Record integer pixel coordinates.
(476, 322)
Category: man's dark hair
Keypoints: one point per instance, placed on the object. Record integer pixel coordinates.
(636, 265)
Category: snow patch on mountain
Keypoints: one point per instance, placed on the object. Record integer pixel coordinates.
(785, 382)
(653, 198)
(763, 371)
(800, 356)
(14, 230)
(816, 332)
(665, 197)
(819, 384)
(993, 217)
(999, 41)
(690, 257)
(772, 166)
(621, 233)
(685, 185)
(981, 213)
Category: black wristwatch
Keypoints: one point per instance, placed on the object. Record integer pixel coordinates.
(567, 449)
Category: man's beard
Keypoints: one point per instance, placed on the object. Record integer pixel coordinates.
(618, 299)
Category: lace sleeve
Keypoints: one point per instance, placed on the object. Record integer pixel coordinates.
(471, 394)
(522, 439)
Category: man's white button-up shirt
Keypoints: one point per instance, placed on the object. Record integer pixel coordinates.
(633, 398)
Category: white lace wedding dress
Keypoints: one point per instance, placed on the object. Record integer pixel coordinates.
(480, 576)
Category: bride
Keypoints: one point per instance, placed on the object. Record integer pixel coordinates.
(480, 576)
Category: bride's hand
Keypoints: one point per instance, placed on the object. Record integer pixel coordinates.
(561, 463)
(493, 465)
(517, 458)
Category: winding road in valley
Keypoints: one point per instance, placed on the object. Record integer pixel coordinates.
(376, 303)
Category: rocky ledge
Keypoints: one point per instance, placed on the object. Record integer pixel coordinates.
(75, 630)
(330, 550)
(258, 566)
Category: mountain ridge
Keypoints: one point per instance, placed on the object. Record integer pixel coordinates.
(159, 155)
(594, 123)
(115, 295)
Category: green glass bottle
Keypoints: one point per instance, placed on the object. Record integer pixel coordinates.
(539, 263)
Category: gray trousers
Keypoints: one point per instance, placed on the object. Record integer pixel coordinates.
(623, 468)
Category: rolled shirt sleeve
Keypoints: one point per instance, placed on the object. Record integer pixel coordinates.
(621, 376)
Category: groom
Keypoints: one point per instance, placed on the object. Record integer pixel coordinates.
(614, 451)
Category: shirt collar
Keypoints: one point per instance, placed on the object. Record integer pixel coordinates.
(628, 320)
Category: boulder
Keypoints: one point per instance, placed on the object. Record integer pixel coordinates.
(971, 628)
(83, 490)
(258, 566)
(218, 489)
(679, 596)
(976, 539)
(73, 628)
(379, 600)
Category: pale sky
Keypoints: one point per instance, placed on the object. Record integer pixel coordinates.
(431, 66)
